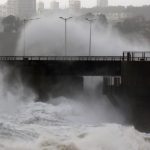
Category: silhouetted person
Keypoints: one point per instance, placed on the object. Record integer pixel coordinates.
(128, 56)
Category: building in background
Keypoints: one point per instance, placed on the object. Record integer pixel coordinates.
(21, 8)
(41, 7)
(102, 3)
(12, 7)
(3, 11)
(54, 5)
(74, 4)
(26, 8)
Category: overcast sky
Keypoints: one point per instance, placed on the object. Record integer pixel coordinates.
(90, 3)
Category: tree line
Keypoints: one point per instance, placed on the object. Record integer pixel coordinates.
(135, 11)
(11, 24)
(135, 24)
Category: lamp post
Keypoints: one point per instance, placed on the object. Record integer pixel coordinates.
(65, 19)
(90, 39)
(24, 22)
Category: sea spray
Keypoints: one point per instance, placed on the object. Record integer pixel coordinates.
(45, 37)
(40, 126)
(61, 123)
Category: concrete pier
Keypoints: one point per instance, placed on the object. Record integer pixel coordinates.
(136, 86)
(131, 93)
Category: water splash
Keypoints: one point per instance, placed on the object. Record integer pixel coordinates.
(41, 126)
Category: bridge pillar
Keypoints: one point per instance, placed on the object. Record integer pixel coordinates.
(136, 86)
(131, 93)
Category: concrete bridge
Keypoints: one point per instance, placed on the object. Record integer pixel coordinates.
(70, 65)
(127, 76)
(41, 71)
(75, 65)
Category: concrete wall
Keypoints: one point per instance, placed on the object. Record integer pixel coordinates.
(136, 78)
(132, 96)
(136, 87)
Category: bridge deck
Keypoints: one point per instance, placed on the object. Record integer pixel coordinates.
(72, 58)
(72, 65)
(60, 58)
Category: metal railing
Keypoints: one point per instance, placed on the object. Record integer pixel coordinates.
(136, 55)
(136, 59)
(60, 58)
(73, 58)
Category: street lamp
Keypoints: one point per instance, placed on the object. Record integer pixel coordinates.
(24, 22)
(65, 19)
(90, 40)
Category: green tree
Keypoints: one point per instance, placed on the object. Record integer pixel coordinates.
(102, 19)
(11, 23)
(134, 24)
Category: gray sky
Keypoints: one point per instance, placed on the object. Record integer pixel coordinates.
(90, 3)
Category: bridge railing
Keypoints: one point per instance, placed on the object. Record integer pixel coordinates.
(136, 55)
(136, 59)
(60, 58)
(73, 58)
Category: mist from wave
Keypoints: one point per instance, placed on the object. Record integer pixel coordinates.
(84, 123)
(65, 124)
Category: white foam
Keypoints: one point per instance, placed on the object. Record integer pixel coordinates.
(41, 126)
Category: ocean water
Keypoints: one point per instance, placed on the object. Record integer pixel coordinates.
(63, 124)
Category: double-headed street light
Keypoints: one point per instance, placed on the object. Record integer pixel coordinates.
(90, 39)
(65, 19)
(24, 22)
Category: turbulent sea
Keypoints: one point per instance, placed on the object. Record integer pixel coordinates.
(63, 124)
